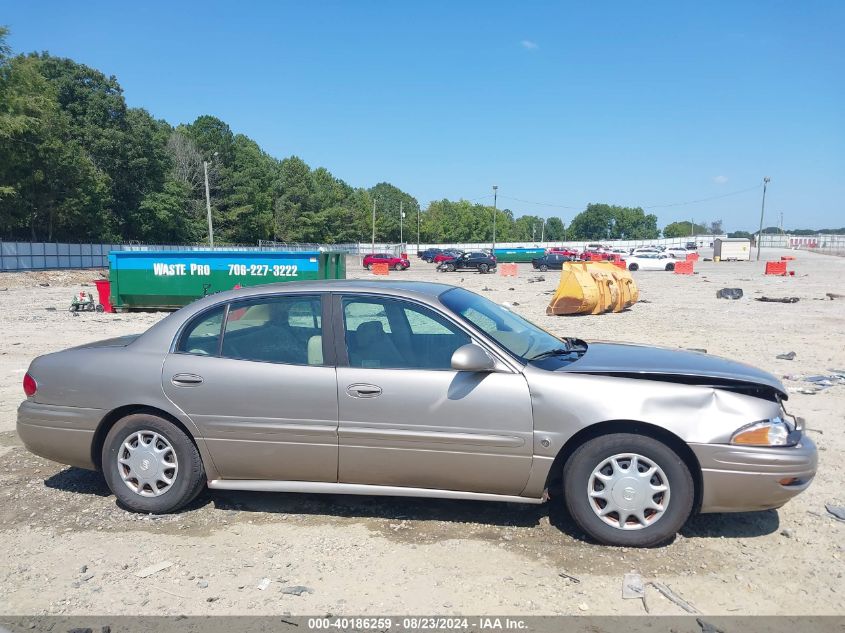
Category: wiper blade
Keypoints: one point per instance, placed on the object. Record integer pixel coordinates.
(557, 351)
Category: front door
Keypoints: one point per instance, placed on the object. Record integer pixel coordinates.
(408, 419)
(256, 382)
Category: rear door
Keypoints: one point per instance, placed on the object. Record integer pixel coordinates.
(408, 419)
(257, 377)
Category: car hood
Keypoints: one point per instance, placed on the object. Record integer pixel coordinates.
(672, 365)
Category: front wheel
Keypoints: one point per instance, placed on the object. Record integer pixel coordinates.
(544, 268)
(670, 266)
(398, 267)
(151, 465)
(369, 266)
(628, 490)
(633, 267)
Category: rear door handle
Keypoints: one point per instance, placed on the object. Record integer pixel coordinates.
(363, 391)
(186, 380)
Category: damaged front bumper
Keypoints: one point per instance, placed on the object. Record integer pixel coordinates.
(746, 478)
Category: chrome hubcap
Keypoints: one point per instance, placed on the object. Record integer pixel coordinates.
(628, 491)
(147, 463)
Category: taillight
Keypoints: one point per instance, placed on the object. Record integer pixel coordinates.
(29, 385)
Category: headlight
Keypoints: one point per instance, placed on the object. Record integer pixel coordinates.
(773, 432)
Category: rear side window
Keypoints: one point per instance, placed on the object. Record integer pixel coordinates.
(280, 330)
(202, 336)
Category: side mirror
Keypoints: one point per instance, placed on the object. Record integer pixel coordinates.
(471, 357)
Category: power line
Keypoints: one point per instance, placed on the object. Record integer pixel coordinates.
(542, 204)
(678, 204)
(644, 206)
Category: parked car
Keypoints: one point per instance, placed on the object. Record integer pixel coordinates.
(594, 256)
(428, 254)
(446, 255)
(691, 246)
(394, 262)
(650, 261)
(474, 260)
(294, 388)
(641, 250)
(677, 253)
(567, 252)
(552, 261)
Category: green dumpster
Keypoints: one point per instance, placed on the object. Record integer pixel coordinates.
(172, 279)
(510, 255)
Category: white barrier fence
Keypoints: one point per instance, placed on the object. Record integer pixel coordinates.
(50, 255)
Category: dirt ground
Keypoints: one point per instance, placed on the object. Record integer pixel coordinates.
(68, 549)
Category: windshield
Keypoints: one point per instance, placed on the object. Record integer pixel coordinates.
(520, 337)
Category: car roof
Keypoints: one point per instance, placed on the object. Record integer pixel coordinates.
(427, 289)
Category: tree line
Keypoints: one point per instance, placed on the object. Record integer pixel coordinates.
(77, 164)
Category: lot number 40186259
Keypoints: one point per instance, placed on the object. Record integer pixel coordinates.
(264, 270)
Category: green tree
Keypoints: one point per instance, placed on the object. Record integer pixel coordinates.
(683, 229)
(555, 230)
(604, 221)
(162, 215)
(388, 199)
(294, 220)
(211, 135)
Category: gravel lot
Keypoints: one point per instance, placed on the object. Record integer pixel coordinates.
(68, 549)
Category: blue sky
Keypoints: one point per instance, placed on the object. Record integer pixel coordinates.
(643, 104)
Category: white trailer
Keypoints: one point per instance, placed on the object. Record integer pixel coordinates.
(732, 249)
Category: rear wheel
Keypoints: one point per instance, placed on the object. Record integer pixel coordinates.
(151, 465)
(483, 268)
(633, 266)
(670, 266)
(628, 490)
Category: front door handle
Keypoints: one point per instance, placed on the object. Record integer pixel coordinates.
(186, 380)
(363, 391)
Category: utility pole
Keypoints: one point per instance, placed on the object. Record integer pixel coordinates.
(401, 215)
(766, 181)
(208, 205)
(374, 228)
(418, 229)
(543, 232)
(495, 194)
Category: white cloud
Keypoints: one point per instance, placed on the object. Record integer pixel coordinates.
(720, 180)
(529, 45)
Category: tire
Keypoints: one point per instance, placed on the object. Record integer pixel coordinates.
(369, 266)
(579, 478)
(100, 308)
(633, 267)
(483, 268)
(543, 268)
(670, 266)
(188, 477)
(450, 268)
(398, 267)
